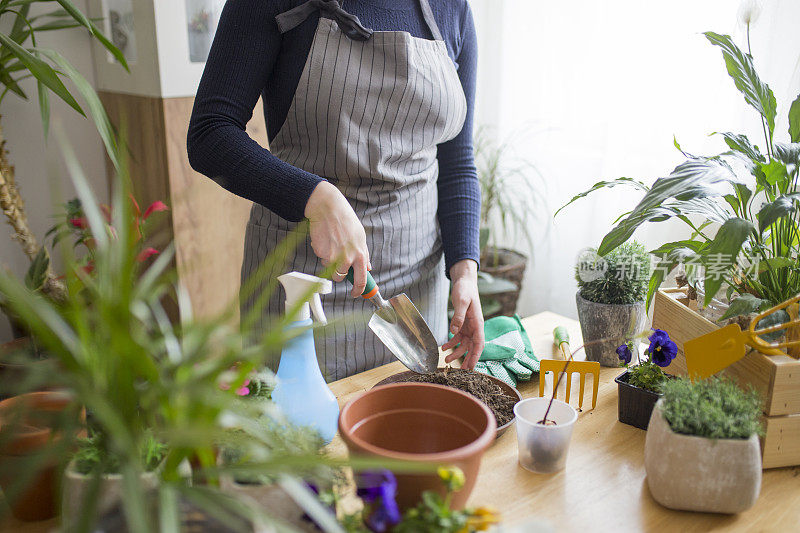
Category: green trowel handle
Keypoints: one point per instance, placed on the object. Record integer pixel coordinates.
(370, 290)
(560, 336)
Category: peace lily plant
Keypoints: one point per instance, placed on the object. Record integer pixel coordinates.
(741, 205)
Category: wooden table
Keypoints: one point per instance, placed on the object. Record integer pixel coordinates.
(603, 487)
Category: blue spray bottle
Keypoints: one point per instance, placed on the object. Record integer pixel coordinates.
(301, 391)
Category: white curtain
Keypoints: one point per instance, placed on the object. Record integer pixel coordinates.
(589, 90)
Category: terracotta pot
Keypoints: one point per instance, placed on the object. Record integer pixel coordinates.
(508, 390)
(692, 473)
(76, 487)
(26, 418)
(634, 404)
(615, 322)
(423, 423)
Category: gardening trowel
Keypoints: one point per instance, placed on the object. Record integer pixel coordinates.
(400, 326)
(708, 354)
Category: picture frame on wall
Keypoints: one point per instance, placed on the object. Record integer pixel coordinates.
(166, 45)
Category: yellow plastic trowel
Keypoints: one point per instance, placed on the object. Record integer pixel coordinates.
(708, 354)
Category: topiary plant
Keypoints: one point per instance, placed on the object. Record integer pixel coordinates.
(621, 279)
(715, 408)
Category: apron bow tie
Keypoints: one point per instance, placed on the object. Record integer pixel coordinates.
(349, 24)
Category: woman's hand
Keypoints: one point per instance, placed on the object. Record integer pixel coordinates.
(467, 323)
(337, 236)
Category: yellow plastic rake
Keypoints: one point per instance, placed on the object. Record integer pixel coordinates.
(581, 367)
(708, 354)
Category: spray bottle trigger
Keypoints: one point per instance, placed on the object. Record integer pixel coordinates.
(316, 308)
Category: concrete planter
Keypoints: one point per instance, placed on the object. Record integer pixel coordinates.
(77, 486)
(691, 473)
(608, 321)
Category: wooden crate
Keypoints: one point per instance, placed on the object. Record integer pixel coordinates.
(777, 378)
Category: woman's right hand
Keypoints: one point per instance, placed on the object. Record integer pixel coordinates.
(337, 236)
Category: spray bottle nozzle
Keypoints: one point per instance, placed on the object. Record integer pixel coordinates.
(305, 289)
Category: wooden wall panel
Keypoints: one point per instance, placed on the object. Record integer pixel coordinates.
(207, 222)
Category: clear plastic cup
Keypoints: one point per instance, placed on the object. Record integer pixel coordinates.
(543, 448)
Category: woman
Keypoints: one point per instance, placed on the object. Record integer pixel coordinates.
(368, 108)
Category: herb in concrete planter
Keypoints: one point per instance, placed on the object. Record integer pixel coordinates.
(610, 299)
(93, 477)
(702, 451)
(640, 386)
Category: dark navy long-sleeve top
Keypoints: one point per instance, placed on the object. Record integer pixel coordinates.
(251, 58)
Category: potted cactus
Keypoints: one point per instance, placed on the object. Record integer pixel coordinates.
(702, 451)
(610, 299)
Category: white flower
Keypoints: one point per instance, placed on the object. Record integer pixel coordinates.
(749, 11)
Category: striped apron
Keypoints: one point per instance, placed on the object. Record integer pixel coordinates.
(368, 113)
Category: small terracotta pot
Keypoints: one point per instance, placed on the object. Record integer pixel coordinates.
(423, 423)
(691, 473)
(26, 417)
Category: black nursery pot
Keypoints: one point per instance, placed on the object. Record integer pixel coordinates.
(635, 405)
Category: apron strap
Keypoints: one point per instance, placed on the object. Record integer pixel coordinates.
(427, 14)
(349, 24)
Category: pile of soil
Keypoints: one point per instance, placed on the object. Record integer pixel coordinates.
(474, 383)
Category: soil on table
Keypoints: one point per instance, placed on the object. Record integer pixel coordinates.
(474, 383)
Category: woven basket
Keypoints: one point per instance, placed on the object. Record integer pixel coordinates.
(506, 264)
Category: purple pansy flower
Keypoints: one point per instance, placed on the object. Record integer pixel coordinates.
(662, 349)
(378, 488)
(624, 353)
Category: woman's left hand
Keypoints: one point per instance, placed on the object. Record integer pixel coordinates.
(467, 323)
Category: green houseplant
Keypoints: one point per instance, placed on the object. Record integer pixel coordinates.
(509, 202)
(741, 206)
(141, 376)
(702, 451)
(610, 299)
(22, 58)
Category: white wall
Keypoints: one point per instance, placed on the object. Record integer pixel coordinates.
(591, 90)
(40, 170)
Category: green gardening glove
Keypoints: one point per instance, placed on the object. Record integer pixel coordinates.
(508, 354)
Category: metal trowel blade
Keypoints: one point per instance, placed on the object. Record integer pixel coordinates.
(406, 334)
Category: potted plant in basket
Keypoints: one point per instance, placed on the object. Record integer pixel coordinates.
(610, 299)
(509, 201)
(639, 387)
(741, 205)
(702, 451)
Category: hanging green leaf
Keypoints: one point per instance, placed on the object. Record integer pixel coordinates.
(779, 208)
(693, 179)
(740, 143)
(722, 253)
(41, 71)
(774, 172)
(96, 109)
(740, 68)
(743, 305)
(794, 120)
(606, 184)
(44, 106)
(78, 15)
(36, 274)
